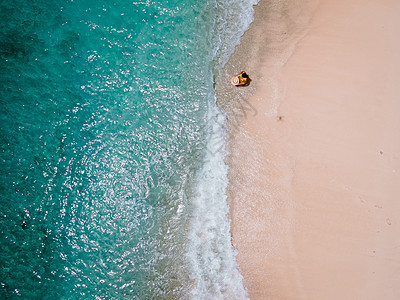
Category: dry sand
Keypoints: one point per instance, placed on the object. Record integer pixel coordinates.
(315, 150)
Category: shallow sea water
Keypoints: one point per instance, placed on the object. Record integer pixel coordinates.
(112, 148)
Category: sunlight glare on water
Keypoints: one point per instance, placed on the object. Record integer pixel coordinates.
(105, 128)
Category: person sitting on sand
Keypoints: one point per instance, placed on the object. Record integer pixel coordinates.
(240, 78)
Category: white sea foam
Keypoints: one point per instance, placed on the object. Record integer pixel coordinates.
(232, 19)
(212, 258)
(211, 255)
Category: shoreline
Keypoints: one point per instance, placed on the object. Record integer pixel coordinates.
(314, 152)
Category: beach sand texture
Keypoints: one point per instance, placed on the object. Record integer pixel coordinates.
(315, 150)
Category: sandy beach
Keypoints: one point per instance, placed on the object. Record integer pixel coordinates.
(315, 150)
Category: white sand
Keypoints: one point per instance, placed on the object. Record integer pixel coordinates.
(315, 175)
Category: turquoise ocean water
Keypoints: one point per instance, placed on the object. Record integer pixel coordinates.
(112, 149)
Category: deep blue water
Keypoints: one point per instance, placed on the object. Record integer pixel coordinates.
(106, 117)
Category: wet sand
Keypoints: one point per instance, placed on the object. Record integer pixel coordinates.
(315, 150)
